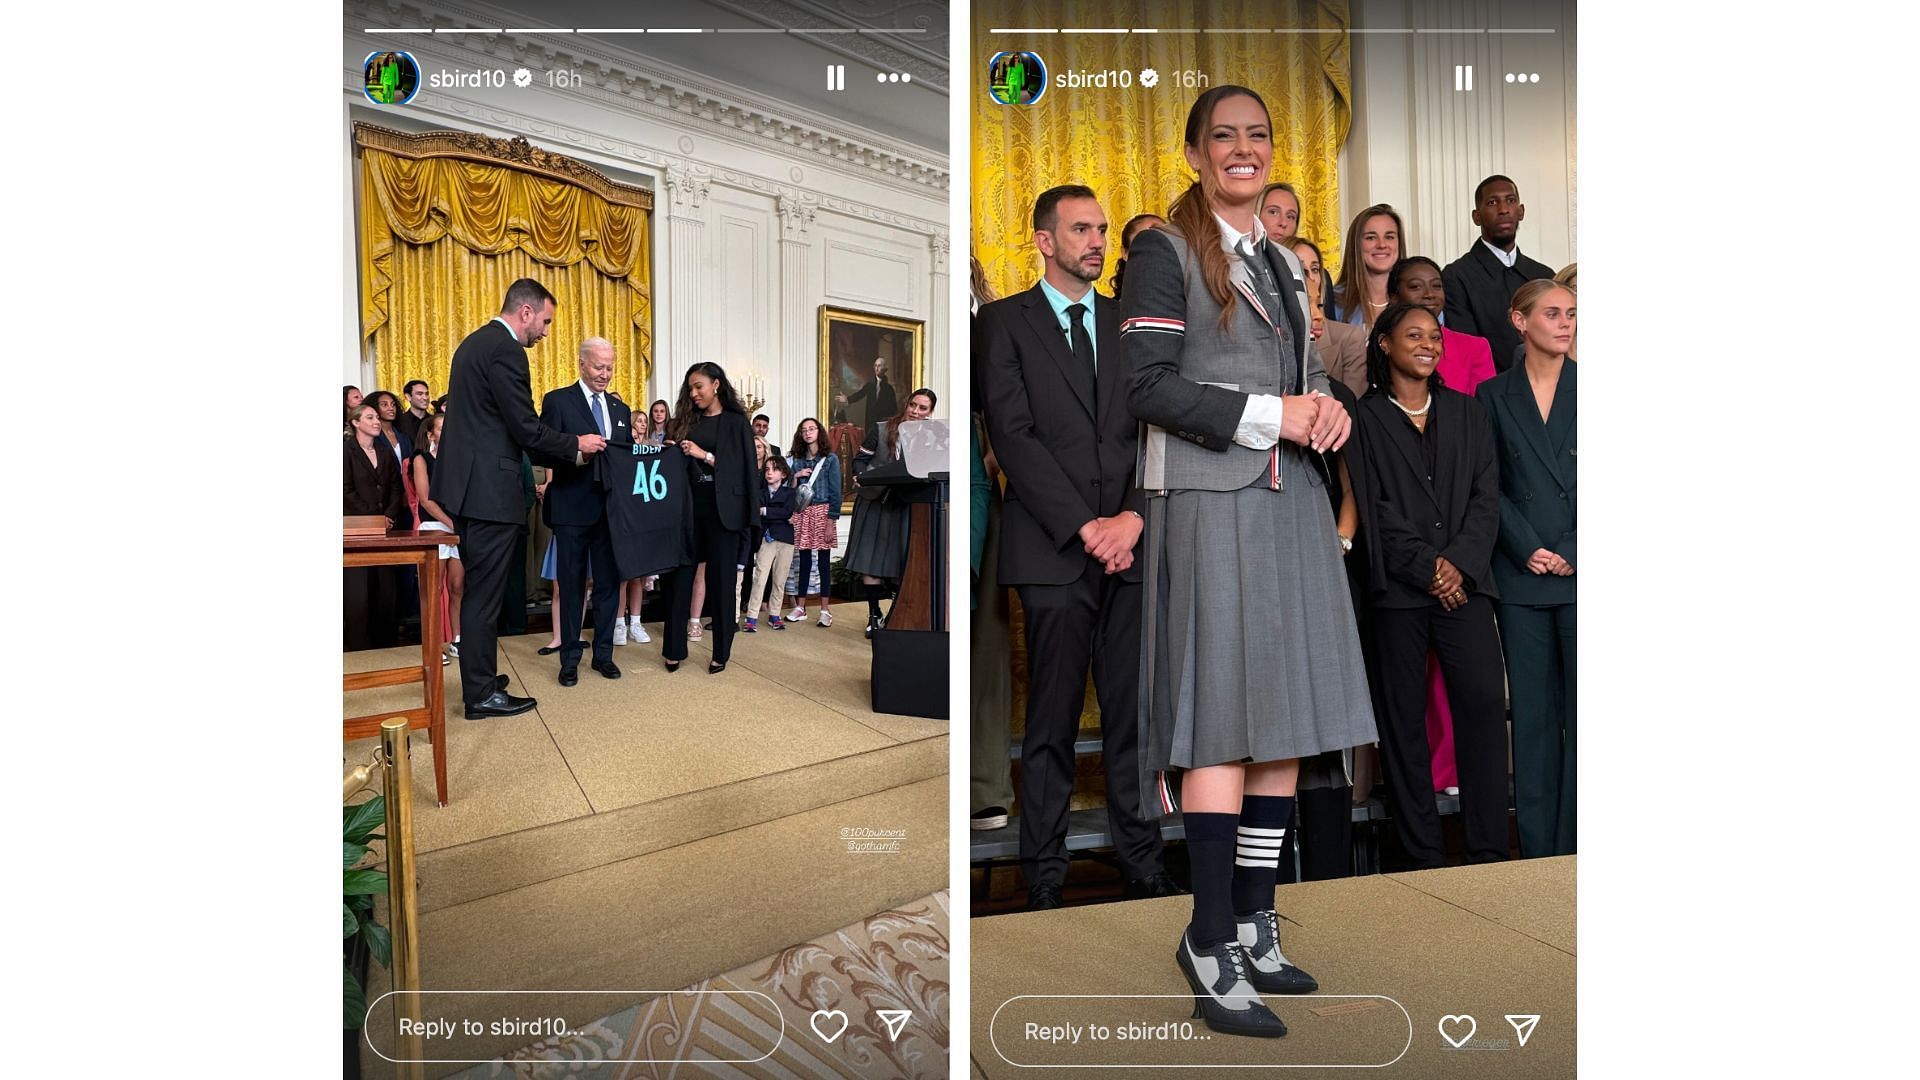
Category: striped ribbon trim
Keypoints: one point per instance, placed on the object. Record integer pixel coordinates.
(1164, 326)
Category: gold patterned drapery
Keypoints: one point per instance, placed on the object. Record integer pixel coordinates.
(1127, 143)
(448, 220)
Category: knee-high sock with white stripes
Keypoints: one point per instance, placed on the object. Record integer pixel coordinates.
(1256, 854)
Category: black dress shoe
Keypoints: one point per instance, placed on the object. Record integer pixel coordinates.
(569, 676)
(499, 703)
(1043, 897)
(607, 668)
(993, 817)
(1222, 993)
(549, 650)
(1267, 969)
(1153, 885)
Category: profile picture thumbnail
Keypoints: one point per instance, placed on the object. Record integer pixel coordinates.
(392, 77)
(1016, 78)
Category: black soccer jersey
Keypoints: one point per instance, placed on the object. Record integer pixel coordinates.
(649, 510)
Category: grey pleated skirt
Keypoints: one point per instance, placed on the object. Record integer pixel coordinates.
(1249, 650)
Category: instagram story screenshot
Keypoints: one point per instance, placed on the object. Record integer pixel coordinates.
(1273, 670)
(644, 386)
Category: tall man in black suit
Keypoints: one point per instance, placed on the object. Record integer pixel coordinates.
(1070, 530)
(1481, 283)
(576, 508)
(490, 421)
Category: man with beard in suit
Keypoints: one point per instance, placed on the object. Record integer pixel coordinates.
(1480, 284)
(576, 509)
(490, 422)
(1070, 530)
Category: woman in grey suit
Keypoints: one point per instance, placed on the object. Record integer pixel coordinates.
(1532, 408)
(1250, 658)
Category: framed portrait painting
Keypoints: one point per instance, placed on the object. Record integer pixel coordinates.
(869, 364)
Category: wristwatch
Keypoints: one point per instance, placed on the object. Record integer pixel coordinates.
(1346, 543)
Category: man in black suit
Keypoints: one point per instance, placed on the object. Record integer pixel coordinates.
(1480, 284)
(576, 508)
(417, 399)
(881, 401)
(1057, 417)
(490, 422)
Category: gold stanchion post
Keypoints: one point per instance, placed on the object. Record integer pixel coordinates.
(402, 910)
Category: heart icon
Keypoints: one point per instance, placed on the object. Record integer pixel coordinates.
(1445, 1022)
(829, 1016)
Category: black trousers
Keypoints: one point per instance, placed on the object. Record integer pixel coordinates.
(1540, 674)
(486, 549)
(1095, 619)
(1468, 648)
(575, 548)
(719, 548)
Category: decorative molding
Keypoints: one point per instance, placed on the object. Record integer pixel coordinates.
(666, 94)
(940, 246)
(487, 150)
(687, 189)
(796, 218)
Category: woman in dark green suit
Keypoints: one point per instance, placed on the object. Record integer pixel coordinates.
(1532, 407)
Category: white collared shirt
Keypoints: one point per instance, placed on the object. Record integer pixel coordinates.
(1507, 258)
(1259, 426)
(606, 413)
(501, 319)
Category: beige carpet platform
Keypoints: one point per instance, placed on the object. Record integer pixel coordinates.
(653, 831)
(1476, 941)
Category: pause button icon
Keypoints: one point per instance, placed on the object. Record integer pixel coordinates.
(1463, 76)
(836, 76)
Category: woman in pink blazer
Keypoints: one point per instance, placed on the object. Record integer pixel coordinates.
(1466, 361)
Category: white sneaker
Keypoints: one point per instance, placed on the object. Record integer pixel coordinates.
(798, 614)
(637, 633)
(619, 630)
(826, 617)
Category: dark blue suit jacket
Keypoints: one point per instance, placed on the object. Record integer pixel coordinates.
(1538, 494)
(575, 495)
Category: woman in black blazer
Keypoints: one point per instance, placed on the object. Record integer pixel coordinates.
(1532, 407)
(713, 432)
(372, 487)
(1428, 487)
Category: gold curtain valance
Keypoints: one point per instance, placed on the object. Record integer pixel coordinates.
(1127, 144)
(448, 218)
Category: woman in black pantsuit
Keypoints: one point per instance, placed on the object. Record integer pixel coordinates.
(1428, 486)
(713, 432)
(372, 486)
(1532, 408)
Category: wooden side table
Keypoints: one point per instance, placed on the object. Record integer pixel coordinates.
(421, 550)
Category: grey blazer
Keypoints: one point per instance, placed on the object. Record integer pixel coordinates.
(1191, 379)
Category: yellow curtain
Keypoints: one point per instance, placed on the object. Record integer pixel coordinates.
(442, 238)
(1127, 144)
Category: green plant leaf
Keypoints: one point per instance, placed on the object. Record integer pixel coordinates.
(364, 883)
(379, 941)
(363, 818)
(354, 853)
(355, 999)
(361, 904)
(352, 922)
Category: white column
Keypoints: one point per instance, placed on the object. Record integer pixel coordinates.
(937, 365)
(685, 342)
(795, 394)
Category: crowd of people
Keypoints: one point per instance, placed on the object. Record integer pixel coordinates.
(692, 502)
(1282, 518)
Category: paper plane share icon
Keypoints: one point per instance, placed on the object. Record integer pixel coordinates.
(896, 1019)
(1523, 1024)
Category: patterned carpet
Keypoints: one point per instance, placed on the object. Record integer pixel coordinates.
(893, 960)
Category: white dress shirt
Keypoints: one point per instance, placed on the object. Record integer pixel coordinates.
(1507, 258)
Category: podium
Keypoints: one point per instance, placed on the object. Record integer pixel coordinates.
(422, 550)
(909, 674)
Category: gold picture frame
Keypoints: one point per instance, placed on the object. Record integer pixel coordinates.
(851, 399)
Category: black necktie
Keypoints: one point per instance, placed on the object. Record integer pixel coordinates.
(1082, 341)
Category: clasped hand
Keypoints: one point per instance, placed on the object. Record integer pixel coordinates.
(1546, 562)
(1447, 585)
(592, 444)
(1318, 422)
(1111, 540)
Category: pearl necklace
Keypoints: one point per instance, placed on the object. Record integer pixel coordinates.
(1421, 411)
